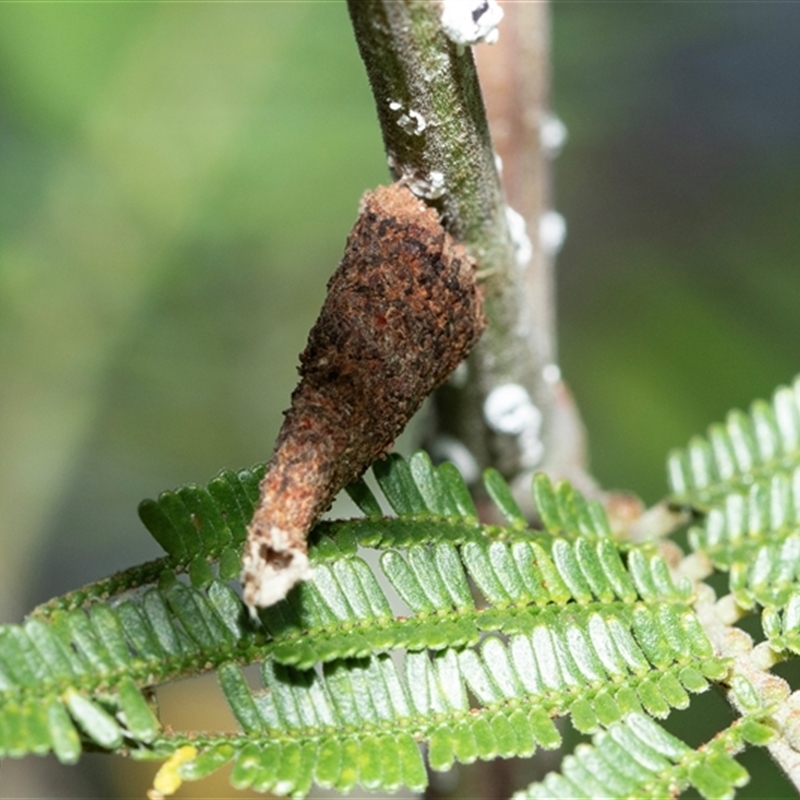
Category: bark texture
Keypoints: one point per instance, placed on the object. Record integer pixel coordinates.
(402, 312)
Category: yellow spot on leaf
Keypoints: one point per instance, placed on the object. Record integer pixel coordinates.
(167, 780)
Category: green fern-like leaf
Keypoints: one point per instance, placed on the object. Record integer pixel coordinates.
(425, 630)
(757, 537)
(635, 757)
(744, 480)
(468, 638)
(743, 483)
(782, 627)
(747, 448)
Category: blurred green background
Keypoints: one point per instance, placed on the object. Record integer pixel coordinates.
(176, 184)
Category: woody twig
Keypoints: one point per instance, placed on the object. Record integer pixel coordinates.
(423, 78)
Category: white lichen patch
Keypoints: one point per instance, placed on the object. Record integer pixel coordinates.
(531, 448)
(523, 248)
(412, 122)
(552, 135)
(551, 373)
(427, 186)
(471, 21)
(448, 448)
(509, 409)
(552, 232)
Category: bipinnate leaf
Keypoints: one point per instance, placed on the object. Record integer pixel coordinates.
(746, 448)
(470, 639)
(635, 757)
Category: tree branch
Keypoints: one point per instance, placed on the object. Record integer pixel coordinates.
(509, 409)
(515, 78)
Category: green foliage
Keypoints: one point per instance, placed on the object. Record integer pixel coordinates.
(423, 625)
(748, 448)
(635, 757)
(745, 477)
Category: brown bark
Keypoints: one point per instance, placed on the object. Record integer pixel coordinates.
(401, 313)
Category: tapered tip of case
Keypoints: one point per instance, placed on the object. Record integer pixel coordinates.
(272, 565)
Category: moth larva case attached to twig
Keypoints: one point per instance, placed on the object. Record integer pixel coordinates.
(402, 312)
